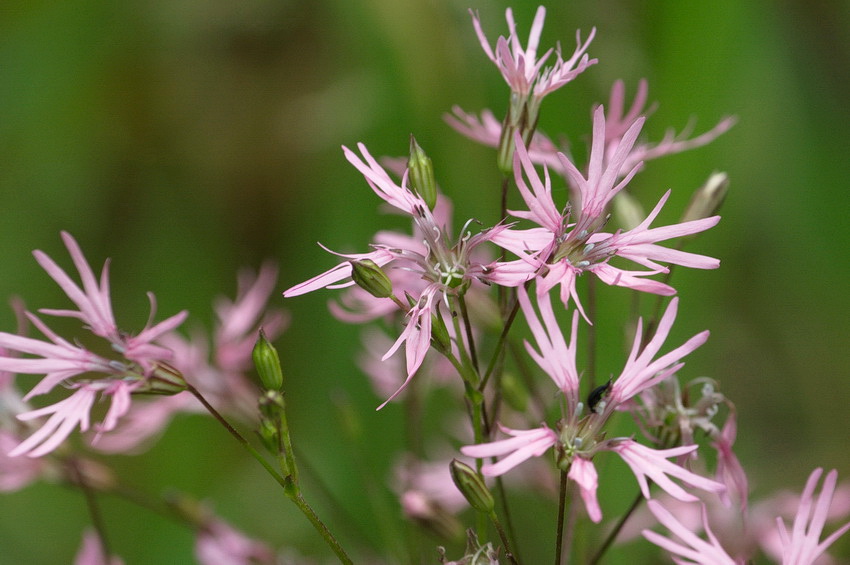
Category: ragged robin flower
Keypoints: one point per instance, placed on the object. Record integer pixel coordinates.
(426, 269)
(139, 363)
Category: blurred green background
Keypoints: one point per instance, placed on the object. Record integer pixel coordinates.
(186, 139)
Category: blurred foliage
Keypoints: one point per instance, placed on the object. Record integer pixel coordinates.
(187, 139)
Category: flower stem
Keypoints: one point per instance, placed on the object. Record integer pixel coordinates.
(562, 503)
(289, 484)
(614, 532)
(508, 553)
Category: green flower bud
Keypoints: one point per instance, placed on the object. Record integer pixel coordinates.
(164, 379)
(370, 277)
(267, 363)
(708, 198)
(421, 174)
(472, 486)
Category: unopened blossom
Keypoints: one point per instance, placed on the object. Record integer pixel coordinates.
(140, 363)
(580, 434)
(430, 267)
(569, 240)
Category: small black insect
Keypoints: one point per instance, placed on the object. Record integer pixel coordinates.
(597, 395)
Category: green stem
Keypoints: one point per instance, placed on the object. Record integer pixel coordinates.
(508, 553)
(467, 324)
(499, 345)
(613, 534)
(290, 486)
(562, 503)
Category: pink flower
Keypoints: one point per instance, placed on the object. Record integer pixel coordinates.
(430, 267)
(802, 545)
(218, 543)
(523, 445)
(16, 472)
(694, 548)
(618, 120)
(729, 469)
(646, 462)
(95, 308)
(570, 241)
(643, 461)
(141, 366)
(521, 68)
(641, 372)
(580, 435)
(217, 369)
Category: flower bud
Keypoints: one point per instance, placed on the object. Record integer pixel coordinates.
(421, 175)
(472, 486)
(267, 363)
(708, 198)
(627, 210)
(370, 277)
(164, 379)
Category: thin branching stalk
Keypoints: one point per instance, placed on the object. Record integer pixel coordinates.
(290, 486)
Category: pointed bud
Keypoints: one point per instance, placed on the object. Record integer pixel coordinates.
(267, 362)
(627, 211)
(472, 486)
(421, 175)
(370, 277)
(707, 199)
(440, 338)
(164, 379)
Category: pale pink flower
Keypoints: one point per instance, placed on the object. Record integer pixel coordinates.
(696, 550)
(488, 131)
(643, 461)
(140, 368)
(580, 434)
(570, 240)
(216, 365)
(802, 545)
(729, 469)
(16, 472)
(95, 308)
(71, 412)
(618, 120)
(521, 67)
(219, 543)
(91, 552)
(441, 267)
